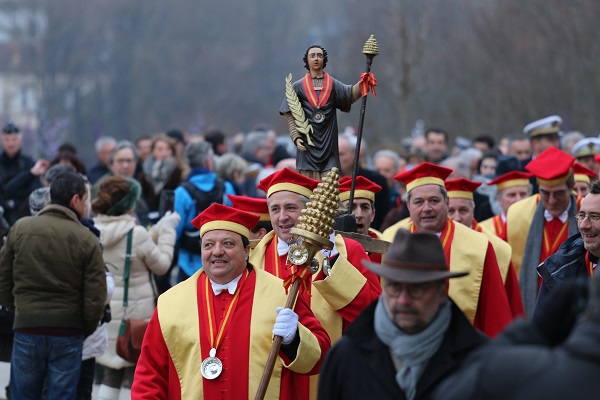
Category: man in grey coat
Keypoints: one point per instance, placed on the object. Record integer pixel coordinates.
(52, 276)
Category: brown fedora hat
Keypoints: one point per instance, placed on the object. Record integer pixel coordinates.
(414, 258)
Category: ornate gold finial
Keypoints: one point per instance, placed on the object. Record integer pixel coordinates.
(371, 46)
(316, 223)
(319, 215)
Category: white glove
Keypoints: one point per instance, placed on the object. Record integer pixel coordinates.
(286, 324)
(169, 220)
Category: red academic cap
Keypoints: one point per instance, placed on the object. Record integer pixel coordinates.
(425, 173)
(220, 217)
(552, 167)
(511, 179)
(287, 180)
(583, 173)
(254, 205)
(363, 188)
(461, 188)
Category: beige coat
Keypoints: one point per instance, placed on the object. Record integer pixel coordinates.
(150, 252)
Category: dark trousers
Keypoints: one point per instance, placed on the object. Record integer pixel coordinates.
(86, 379)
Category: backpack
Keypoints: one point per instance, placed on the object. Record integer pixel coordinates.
(190, 239)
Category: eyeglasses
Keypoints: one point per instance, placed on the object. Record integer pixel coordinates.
(125, 161)
(592, 217)
(415, 291)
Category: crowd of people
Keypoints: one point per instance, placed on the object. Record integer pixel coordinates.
(450, 245)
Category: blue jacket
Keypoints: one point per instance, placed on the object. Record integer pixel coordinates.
(184, 205)
(566, 264)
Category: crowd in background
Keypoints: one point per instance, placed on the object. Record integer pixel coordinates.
(150, 170)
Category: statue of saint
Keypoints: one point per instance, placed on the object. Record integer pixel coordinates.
(311, 103)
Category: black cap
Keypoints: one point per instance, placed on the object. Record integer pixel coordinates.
(176, 134)
(10, 128)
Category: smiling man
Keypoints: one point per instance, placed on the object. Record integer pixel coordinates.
(483, 299)
(578, 255)
(537, 225)
(210, 336)
(337, 298)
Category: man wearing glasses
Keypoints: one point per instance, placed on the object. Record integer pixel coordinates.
(411, 337)
(578, 255)
(538, 225)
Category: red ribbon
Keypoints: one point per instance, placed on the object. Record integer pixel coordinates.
(367, 83)
(298, 272)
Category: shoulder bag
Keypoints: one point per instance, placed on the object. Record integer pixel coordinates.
(131, 331)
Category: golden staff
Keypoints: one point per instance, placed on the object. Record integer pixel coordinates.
(315, 225)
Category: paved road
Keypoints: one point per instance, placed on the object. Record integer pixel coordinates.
(4, 375)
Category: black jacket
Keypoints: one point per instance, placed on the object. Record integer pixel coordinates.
(359, 365)
(16, 182)
(517, 365)
(566, 264)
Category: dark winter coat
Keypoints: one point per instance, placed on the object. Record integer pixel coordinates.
(566, 264)
(359, 365)
(518, 366)
(52, 272)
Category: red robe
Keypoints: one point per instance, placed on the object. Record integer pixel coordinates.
(496, 225)
(481, 295)
(509, 277)
(375, 257)
(173, 349)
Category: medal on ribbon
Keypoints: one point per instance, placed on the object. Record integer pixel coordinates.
(212, 367)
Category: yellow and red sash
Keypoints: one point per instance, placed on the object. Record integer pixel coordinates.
(501, 248)
(589, 266)
(180, 327)
(445, 236)
(317, 100)
(518, 220)
(207, 315)
(464, 252)
(550, 246)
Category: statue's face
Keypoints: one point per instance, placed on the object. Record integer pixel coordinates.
(315, 59)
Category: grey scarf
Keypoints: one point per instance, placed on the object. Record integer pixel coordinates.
(158, 171)
(528, 277)
(414, 351)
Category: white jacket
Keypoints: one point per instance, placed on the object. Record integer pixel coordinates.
(95, 345)
(147, 256)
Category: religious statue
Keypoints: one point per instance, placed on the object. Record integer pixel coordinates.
(310, 109)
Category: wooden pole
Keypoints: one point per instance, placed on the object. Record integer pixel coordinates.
(268, 371)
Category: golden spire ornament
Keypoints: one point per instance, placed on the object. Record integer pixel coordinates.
(316, 222)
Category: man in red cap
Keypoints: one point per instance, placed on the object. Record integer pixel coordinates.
(211, 335)
(583, 177)
(481, 296)
(406, 342)
(461, 209)
(257, 206)
(336, 299)
(537, 225)
(363, 206)
(511, 187)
